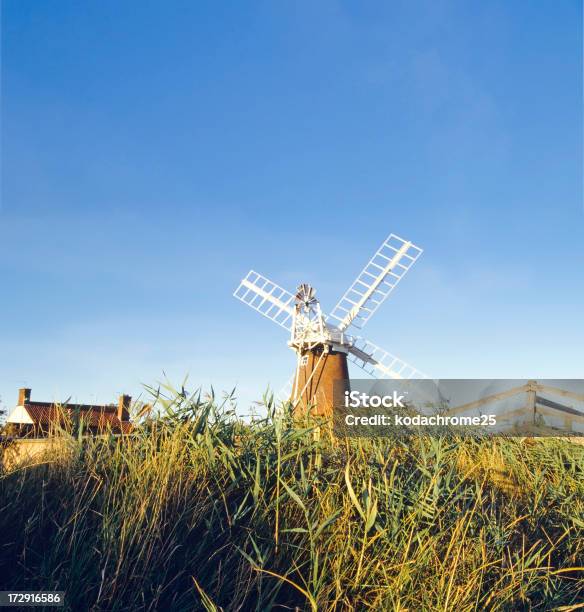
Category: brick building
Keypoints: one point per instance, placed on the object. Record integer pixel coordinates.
(41, 418)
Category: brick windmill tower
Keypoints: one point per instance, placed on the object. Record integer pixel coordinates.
(323, 344)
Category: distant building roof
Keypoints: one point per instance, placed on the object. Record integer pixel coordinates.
(45, 414)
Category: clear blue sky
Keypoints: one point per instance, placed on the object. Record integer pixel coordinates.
(153, 152)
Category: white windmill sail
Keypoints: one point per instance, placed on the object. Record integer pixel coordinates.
(267, 298)
(380, 363)
(377, 280)
(285, 393)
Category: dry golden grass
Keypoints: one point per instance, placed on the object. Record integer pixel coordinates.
(200, 511)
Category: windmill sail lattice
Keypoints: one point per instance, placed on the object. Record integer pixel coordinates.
(377, 280)
(379, 363)
(267, 298)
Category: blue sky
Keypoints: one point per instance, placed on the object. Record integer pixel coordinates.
(154, 152)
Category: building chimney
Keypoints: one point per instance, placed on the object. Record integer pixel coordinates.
(124, 407)
(23, 396)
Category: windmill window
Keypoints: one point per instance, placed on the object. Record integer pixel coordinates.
(303, 360)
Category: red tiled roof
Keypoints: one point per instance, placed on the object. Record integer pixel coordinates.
(100, 417)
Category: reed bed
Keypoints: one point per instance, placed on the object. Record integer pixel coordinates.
(197, 510)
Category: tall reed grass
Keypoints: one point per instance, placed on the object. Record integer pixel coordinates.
(197, 510)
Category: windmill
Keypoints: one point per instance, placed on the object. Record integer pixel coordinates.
(324, 343)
